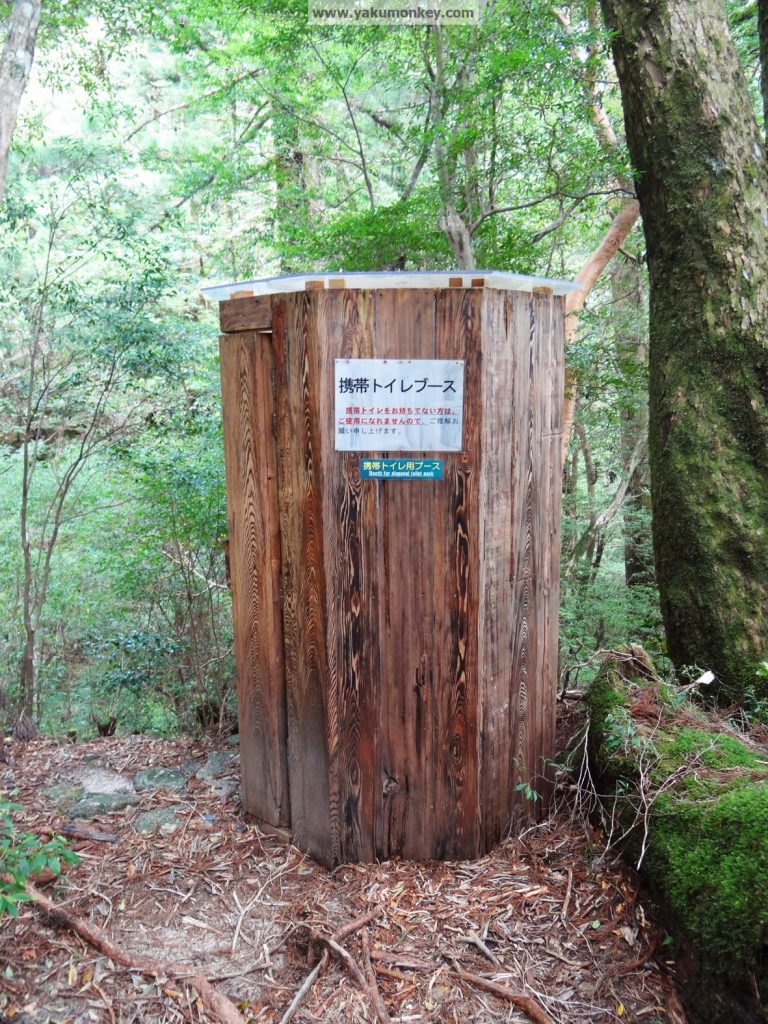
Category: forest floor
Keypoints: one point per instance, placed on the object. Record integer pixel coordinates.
(177, 875)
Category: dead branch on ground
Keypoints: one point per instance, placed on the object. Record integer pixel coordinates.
(222, 1008)
(524, 1003)
(332, 944)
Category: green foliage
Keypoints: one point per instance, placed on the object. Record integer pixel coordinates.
(622, 736)
(756, 706)
(715, 750)
(710, 859)
(528, 791)
(23, 855)
(613, 736)
(206, 140)
(708, 852)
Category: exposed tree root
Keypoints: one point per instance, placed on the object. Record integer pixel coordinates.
(223, 1009)
(524, 1003)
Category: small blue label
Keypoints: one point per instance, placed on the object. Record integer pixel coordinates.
(401, 469)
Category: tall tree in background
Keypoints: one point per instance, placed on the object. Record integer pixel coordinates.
(703, 189)
(15, 66)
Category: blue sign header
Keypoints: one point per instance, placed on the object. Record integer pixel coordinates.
(401, 469)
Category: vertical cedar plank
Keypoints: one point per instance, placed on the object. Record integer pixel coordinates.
(521, 549)
(456, 553)
(405, 328)
(551, 612)
(345, 330)
(252, 511)
(524, 668)
(304, 598)
(551, 588)
(527, 429)
(496, 614)
(542, 401)
(555, 371)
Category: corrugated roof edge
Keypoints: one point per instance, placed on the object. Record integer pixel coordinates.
(390, 279)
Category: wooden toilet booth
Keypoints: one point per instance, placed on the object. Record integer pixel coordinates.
(392, 446)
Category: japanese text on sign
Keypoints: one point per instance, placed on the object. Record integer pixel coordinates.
(401, 469)
(398, 405)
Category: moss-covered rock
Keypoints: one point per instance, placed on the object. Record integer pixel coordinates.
(707, 858)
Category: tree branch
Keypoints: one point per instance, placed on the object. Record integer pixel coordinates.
(218, 1005)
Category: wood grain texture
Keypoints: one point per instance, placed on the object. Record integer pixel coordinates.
(548, 357)
(496, 617)
(252, 313)
(419, 617)
(254, 546)
(555, 369)
(405, 328)
(550, 598)
(520, 546)
(303, 578)
(345, 329)
(455, 527)
(554, 375)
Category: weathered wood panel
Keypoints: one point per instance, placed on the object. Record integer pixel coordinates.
(345, 329)
(254, 547)
(419, 617)
(551, 610)
(526, 425)
(548, 392)
(520, 516)
(455, 527)
(405, 328)
(496, 621)
(251, 313)
(522, 561)
(555, 373)
(303, 580)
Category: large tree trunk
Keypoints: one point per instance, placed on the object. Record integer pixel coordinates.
(631, 340)
(701, 182)
(762, 31)
(15, 66)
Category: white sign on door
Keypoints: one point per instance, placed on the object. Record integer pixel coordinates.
(399, 405)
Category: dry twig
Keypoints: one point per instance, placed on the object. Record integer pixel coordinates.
(373, 988)
(473, 939)
(331, 944)
(222, 1008)
(525, 1003)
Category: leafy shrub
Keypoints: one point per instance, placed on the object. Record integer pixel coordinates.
(23, 854)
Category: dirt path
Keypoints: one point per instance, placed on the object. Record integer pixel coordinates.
(541, 916)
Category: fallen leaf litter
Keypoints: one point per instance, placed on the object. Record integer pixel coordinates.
(540, 926)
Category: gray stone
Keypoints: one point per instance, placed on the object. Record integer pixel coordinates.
(160, 778)
(220, 762)
(225, 788)
(190, 766)
(63, 797)
(104, 780)
(163, 819)
(102, 803)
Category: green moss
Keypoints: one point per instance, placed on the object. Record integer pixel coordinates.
(709, 860)
(606, 694)
(716, 750)
(608, 709)
(708, 853)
